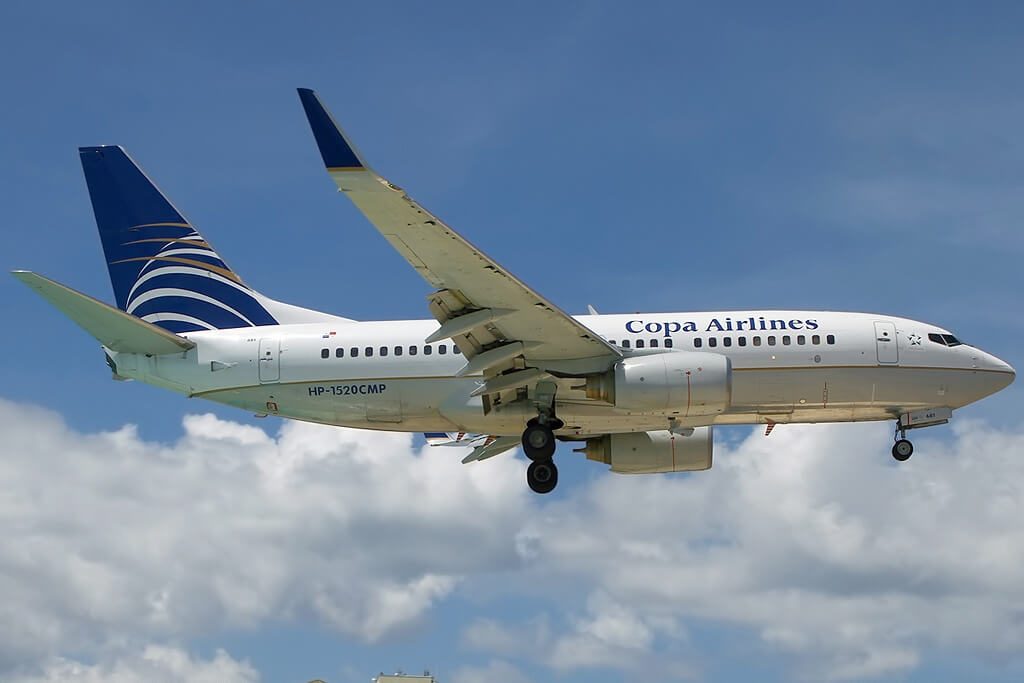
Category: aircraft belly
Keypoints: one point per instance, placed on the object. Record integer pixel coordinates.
(823, 394)
(844, 393)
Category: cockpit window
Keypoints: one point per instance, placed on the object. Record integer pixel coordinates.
(944, 339)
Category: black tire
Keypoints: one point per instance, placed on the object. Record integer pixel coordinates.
(542, 476)
(902, 450)
(538, 441)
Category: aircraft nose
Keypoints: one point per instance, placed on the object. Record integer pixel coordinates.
(1003, 370)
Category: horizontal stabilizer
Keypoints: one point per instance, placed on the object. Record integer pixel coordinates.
(115, 329)
(492, 447)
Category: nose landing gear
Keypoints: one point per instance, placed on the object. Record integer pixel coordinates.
(929, 417)
(902, 449)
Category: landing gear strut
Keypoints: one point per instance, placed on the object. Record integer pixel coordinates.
(539, 440)
(539, 446)
(902, 449)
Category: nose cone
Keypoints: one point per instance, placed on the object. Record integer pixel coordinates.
(1003, 373)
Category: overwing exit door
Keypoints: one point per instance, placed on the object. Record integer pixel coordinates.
(270, 360)
(885, 343)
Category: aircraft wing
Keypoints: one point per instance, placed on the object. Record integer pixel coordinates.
(506, 330)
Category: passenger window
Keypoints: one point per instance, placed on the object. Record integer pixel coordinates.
(669, 343)
(368, 351)
(625, 343)
(353, 352)
(427, 350)
(830, 339)
(654, 343)
(339, 352)
(757, 341)
(697, 342)
(801, 339)
(398, 350)
(771, 340)
(413, 350)
(383, 350)
(742, 341)
(786, 340)
(325, 353)
(639, 343)
(727, 341)
(712, 342)
(456, 350)
(613, 342)
(816, 339)
(442, 349)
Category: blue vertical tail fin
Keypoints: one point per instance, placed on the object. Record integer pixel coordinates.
(161, 268)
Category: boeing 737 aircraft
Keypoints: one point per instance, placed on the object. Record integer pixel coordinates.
(499, 365)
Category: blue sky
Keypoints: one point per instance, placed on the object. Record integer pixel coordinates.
(662, 157)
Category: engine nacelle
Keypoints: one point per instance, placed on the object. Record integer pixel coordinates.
(681, 383)
(651, 452)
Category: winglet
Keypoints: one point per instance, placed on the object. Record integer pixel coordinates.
(338, 153)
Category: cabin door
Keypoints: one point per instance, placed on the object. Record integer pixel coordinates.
(885, 343)
(270, 360)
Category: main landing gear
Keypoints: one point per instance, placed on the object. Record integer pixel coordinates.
(539, 446)
(542, 476)
(539, 441)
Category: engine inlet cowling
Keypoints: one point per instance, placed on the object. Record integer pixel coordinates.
(684, 383)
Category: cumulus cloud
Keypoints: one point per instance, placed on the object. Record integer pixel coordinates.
(606, 635)
(610, 635)
(154, 664)
(812, 539)
(812, 542)
(108, 535)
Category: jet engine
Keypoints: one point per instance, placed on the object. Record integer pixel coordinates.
(684, 383)
(651, 452)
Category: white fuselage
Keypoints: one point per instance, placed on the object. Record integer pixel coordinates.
(788, 366)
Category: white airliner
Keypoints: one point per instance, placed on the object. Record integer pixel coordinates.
(499, 365)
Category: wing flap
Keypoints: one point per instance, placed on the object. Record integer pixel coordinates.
(112, 327)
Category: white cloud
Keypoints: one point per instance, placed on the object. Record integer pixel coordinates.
(814, 540)
(155, 664)
(609, 636)
(108, 536)
(811, 541)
